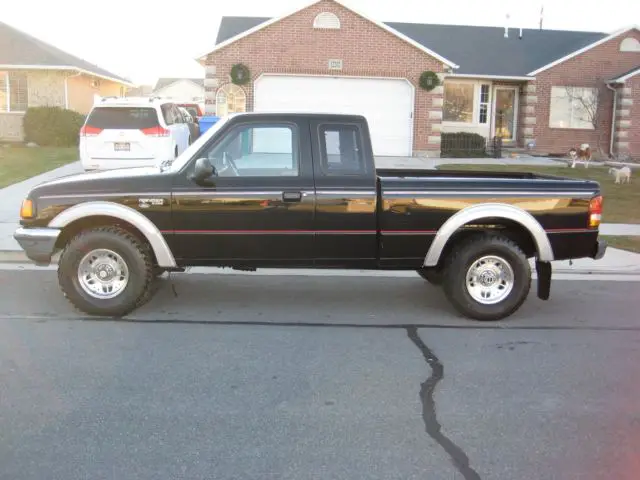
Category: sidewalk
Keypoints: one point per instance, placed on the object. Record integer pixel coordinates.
(615, 261)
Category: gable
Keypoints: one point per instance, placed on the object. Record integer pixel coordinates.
(609, 47)
(326, 7)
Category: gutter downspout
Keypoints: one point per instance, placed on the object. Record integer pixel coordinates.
(613, 118)
(66, 89)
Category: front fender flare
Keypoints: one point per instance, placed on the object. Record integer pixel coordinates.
(489, 210)
(162, 251)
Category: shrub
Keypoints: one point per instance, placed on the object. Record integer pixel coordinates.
(52, 126)
(463, 144)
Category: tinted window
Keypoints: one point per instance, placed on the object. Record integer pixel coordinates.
(341, 150)
(257, 151)
(123, 117)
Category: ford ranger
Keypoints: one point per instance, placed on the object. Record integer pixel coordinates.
(299, 190)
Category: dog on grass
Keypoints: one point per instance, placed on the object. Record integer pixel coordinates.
(623, 175)
(582, 153)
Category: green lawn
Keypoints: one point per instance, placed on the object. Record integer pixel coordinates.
(18, 163)
(631, 244)
(621, 202)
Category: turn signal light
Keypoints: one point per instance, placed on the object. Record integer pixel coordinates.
(595, 211)
(27, 210)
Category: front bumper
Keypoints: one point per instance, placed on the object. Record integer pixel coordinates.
(38, 243)
(599, 250)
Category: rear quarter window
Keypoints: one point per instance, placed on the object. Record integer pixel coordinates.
(123, 118)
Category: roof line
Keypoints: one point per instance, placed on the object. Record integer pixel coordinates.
(626, 76)
(341, 3)
(67, 67)
(489, 77)
(174, 81)
(584, 49)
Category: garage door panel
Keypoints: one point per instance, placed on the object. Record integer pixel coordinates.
(387, 104)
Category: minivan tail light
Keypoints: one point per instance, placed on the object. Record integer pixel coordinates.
(89, 131)
(595, 211)
(156, 132)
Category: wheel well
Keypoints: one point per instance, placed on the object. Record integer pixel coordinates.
(508, 228)
(94, 221)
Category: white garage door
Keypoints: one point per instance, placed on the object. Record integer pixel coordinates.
(386, 104)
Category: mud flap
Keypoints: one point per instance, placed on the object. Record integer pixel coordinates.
(543, 269)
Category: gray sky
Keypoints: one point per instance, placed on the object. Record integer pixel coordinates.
(143, 40)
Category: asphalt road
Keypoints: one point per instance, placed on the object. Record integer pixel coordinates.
(253, 377)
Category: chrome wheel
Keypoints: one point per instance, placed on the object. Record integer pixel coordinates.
(103, 274)
(490, 280)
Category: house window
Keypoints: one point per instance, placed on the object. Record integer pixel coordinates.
(230, 98)
(630, 44)
(573, 107)
(326, 20)
(458, 102)
(14, 92)
(484, 104)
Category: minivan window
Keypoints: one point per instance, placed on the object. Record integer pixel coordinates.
(123, 118)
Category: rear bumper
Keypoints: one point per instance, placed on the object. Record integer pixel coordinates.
(38, 243)
(599, 250)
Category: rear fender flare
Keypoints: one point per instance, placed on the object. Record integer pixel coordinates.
(163, 253)
(493, 210)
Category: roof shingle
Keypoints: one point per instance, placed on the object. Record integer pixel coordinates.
(19, 48)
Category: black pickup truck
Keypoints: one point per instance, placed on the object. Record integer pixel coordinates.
(301, 190)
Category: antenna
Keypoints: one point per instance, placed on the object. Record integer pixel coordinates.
(541, 15)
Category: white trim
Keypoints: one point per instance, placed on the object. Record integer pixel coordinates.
(475, 114)
(626, 77)
(411, 85)
(489, 77)
(221, 45)
(584, 49)
(65, 67)
(516, 105)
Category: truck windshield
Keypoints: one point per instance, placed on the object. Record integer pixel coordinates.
(188, 154)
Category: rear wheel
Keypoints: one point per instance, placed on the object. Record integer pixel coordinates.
(106, 271)
(487, 277)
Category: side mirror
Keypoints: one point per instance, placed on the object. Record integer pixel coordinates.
(203, 170)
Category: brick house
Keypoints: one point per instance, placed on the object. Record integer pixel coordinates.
(34, 73)
(533, 88)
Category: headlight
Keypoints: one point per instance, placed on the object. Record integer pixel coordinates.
(27, 210)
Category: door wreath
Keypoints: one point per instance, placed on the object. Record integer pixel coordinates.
(240, 74)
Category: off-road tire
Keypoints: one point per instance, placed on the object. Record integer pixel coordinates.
(135, 253)
(434, 277)
(468, 252)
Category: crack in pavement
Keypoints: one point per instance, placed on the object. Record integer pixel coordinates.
(434, 429)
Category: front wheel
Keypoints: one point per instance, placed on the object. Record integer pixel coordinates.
(487, 277)
(106, 271)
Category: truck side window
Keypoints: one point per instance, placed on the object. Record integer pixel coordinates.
(341, 150)
(257, 151)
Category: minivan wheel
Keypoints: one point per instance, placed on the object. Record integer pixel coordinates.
(106, 271)
(487, 277)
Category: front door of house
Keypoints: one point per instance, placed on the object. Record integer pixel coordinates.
(505, 117)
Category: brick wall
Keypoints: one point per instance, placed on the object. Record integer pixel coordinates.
(292, 45)
(590, 69)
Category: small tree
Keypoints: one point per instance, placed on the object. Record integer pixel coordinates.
(590, 99)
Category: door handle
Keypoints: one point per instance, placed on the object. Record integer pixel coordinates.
(292, 196)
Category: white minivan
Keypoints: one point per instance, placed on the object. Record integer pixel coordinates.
(132, 132)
